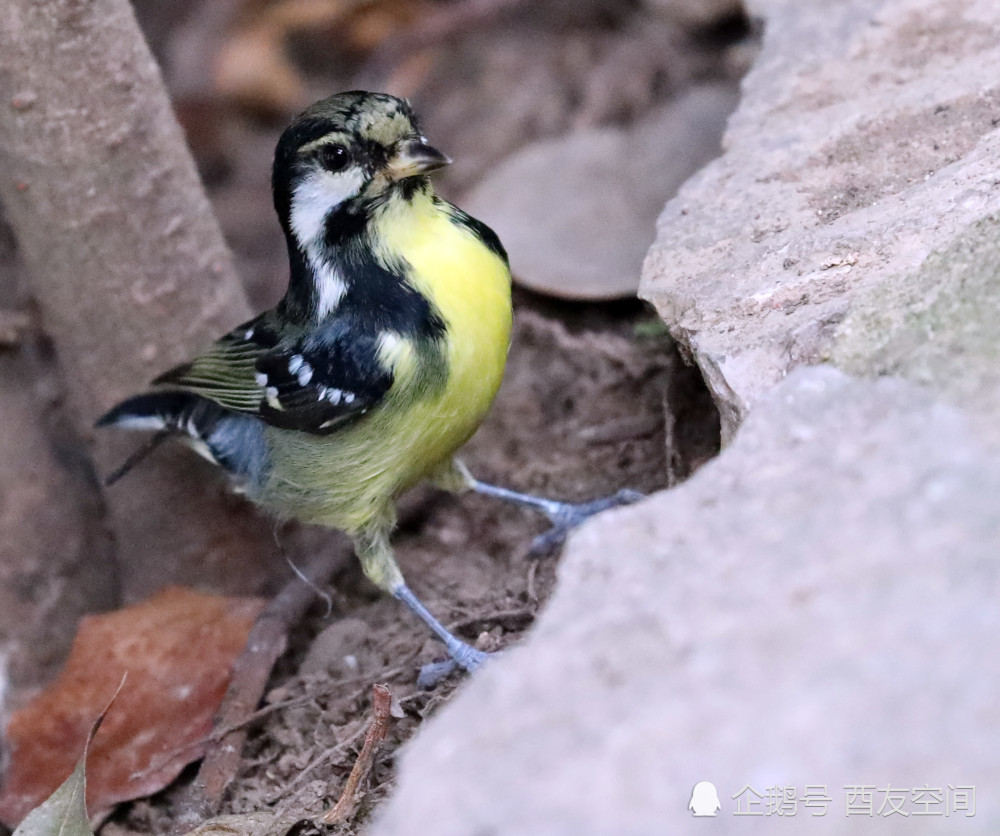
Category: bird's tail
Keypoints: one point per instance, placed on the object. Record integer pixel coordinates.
(229, 439)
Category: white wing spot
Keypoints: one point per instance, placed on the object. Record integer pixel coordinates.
(249, 334)
(271, 393)
(348, 397)
(334, 396)
(261, 378)
(305, 374)
(295, 363)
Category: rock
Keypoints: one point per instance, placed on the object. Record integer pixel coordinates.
(815, 607)
(864, 144)
(577, 213)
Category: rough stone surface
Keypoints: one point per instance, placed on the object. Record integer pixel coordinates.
(866, 141)
(812, 607)
(583, 217)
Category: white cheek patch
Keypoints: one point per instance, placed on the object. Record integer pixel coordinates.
(319, 193)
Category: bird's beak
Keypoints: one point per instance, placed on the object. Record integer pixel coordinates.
(415, 156)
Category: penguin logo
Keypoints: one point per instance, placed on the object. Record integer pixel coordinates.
(704, 799)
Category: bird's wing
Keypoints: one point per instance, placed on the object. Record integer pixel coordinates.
(323, 380)
(226, 372)
(315, 383)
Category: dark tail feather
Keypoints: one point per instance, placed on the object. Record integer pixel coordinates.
(231, 440)
(153, 411)
(167, 413)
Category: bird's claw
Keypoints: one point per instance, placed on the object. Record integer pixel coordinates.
(434, 673)
(570, 515)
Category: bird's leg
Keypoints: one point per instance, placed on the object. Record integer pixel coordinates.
(462, 654)
(564, 516)
(379, 565)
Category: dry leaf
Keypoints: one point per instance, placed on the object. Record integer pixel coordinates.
(177, 649)
(64, 813)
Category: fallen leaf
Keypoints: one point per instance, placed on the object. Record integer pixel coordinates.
(177, 649)
(64, 813)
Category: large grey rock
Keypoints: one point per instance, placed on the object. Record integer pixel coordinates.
(865, 142)
(817, 606)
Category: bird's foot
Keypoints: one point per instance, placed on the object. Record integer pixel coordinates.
(463, 656)
(566, 516)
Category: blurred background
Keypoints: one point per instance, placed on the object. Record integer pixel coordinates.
(570, 121)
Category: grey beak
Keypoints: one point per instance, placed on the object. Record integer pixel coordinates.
(415, 156)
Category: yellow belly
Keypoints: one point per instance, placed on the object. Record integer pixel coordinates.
(349, 479)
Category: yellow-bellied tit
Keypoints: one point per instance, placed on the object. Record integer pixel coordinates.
(381, 360)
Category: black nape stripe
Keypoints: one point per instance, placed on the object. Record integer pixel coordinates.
(477, 228)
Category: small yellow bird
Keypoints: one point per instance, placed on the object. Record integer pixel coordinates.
(381, 360)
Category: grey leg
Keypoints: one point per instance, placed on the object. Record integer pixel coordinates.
(565, 516)
(462, 655)
(379, 564)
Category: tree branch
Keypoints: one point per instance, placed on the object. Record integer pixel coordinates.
(126, 262)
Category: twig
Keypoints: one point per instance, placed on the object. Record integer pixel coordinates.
(349, 798)
(266, 643)
(341, 746)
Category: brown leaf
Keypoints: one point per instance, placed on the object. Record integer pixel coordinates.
(177, 649)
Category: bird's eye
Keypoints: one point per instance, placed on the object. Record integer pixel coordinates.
(333, 157)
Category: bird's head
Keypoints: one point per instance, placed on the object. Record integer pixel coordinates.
(347, 151)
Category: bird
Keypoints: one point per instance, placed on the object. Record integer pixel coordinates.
(380, 361)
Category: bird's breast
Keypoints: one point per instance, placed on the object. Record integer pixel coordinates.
(442, 391)
(469, 286)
